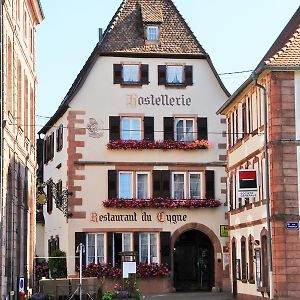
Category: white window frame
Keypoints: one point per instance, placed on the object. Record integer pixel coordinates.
(148, 183)
(123, 249)
(119, 183)
(176, 120)
(201, 185)
(184, 185)
(149, 258)
(96, 248)
(149, 35)
(130, 132)
(138, 66)
(182, 76)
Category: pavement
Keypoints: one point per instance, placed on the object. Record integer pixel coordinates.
(190, 296)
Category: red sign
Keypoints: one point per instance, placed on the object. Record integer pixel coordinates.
(247, 180)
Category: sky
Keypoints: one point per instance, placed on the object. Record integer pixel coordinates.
(235, 33)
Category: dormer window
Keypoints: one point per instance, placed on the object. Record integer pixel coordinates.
(152, 33)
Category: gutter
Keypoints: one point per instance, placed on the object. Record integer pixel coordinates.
(1, 115)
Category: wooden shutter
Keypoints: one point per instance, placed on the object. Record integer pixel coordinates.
(145, 74)
(149, 128)
(202, 129)
(114, 128)
(156, 176)
(112, 184)
(162, 73)
(188, 70)
(49, 199)
(136, 243)
(57, 140)
(80, 237)
(52, 145)
(165, 248)
(210, 184)
(61, 137)
(168, 128)
(109, 240)
(165, 178)
(117, 73)
(45, 148)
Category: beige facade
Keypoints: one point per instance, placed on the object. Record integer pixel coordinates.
(19, 148)
(265, 258)
(95, 115)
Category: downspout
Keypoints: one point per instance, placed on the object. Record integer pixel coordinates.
(267, 176)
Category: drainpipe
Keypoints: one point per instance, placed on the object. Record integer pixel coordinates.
(267, 176)
(1, 117)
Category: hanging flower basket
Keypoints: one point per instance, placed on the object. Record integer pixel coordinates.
(162, 145)
(160, 203)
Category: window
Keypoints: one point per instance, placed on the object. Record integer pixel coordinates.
(264, 261)
(131, 74)
(131, 129)
(152, 33)
(184, 130)
(142, 190)
(148, 247)
(175, 75)
(178, 184)
(125, 185)
(195, 186)
(250, 256)
(59, 138)
(121, 242)
(244, 260)
(95, 248)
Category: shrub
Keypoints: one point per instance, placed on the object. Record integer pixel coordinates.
(58, 266)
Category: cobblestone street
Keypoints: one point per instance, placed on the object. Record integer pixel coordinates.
(190, 296)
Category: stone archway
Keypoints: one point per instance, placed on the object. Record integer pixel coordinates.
(218, 265)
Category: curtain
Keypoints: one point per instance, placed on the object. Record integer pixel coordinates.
(142, 186)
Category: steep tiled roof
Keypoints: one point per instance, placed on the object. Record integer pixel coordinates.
(289, 54)
(126, 31)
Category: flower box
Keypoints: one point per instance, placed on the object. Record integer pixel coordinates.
(162, 145)
(161, 203)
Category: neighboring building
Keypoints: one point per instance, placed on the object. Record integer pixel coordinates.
(149, 81)
(18, 154)
(279, 73)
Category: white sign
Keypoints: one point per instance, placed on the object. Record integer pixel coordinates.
(129, 267)
(246, 194)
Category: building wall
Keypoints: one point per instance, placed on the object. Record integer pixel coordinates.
(19, 157)
(97, 99)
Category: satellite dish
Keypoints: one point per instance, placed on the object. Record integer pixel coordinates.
(41, 198)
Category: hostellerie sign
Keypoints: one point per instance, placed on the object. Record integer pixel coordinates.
(162, 100)
(247, 183)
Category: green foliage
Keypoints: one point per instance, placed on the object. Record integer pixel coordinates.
(108, 295)
(58, 266)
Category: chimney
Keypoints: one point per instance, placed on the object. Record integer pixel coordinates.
(100, 35)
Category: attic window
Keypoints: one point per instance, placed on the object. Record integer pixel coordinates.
(152, 33)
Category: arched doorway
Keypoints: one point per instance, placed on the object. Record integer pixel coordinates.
(193, 259)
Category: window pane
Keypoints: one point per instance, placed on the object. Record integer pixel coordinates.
(100, 248)
(125, 185)
(126, 241)
(195, 187)
(130, 73)
(174, 74)
(142, 186)
(143, 247)
(178, 186)
(91, 248)
(152, 33)
(179, 130)
(125, 125)
(153, 247)
(189, 130)
(135, 129)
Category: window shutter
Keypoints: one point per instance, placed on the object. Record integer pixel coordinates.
(165, 248)
(109, 247)
(202, 128)
(52, 145)
(149, 128)
(80, 238)
(57, 139)
(156, 175)
(145, 74)
(61, 139)
(169, 128)
(165, 178)
(188, 70)
(114, 128)
(136, 243)
(49, 199)
(162, 72)
(112, 184)
(117, 73)
(45, 150)
(210, 184)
